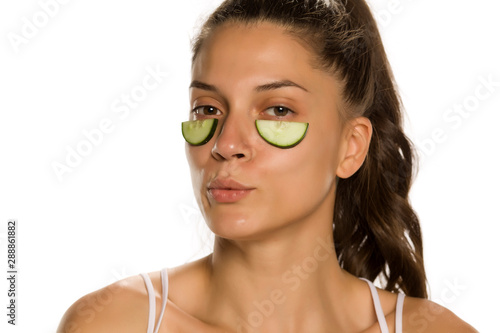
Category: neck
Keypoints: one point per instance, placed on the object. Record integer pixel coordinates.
(266, 284)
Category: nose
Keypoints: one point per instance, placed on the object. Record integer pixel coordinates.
(233, 141)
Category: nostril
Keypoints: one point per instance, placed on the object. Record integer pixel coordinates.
(217, 156)
(239, 155)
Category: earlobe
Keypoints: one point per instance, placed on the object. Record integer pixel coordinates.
(355, 145)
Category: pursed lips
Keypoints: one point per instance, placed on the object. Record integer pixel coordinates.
(228, 190)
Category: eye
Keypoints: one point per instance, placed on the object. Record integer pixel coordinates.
(278, 111)
(206, 110)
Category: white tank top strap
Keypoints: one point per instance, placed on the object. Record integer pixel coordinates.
(164, 295)
(399, 313)
(152, 328)
(152, 302)
(380, 313)
(378, 307)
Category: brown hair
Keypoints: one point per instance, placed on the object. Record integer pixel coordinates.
(376, 231)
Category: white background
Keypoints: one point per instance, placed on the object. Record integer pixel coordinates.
(128, 206)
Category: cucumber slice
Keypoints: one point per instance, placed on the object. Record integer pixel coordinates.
(282, 134)
(199, 132)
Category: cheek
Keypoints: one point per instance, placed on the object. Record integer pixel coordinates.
(303, 175)
(197, 158)
(322, 161)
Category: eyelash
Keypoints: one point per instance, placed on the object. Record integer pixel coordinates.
(218, 112)
(194, 111)
(289, 111)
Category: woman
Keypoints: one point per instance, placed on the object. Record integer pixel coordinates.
(295, 124)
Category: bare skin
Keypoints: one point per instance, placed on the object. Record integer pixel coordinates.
(274, 268)
(128, 309)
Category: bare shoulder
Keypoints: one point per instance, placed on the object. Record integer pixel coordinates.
(421, 315)
(118, 307)
(124, 305)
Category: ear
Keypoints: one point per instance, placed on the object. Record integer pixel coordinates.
(354, 146)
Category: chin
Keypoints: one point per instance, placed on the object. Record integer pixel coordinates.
(236, 226)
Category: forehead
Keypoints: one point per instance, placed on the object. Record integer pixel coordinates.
(236, 48)
(237, 58)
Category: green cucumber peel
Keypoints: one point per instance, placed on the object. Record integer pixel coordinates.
(282, 134)
(199, 132)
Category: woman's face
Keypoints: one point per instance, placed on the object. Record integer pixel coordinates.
(247, 188)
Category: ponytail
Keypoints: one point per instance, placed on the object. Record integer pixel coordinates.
(376, 230)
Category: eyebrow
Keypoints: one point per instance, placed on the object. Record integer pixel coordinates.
(265, 87)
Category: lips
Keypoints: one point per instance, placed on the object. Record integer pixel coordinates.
(228, 190)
